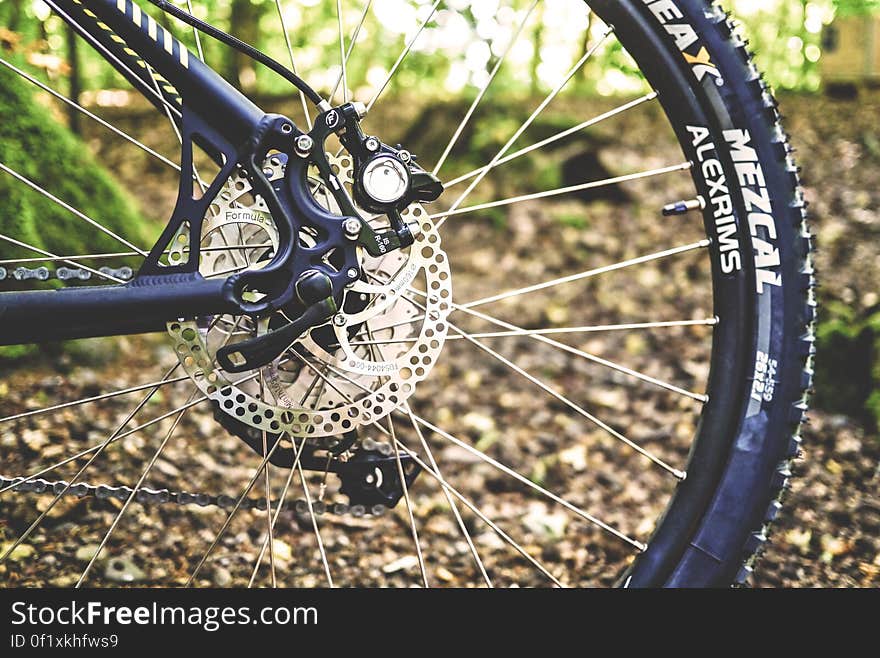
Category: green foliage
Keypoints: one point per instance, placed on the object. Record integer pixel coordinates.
(857, 7)
(785, 34)
(847, 375)
(36, 146)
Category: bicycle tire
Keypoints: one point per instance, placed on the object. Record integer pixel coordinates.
(712, 534)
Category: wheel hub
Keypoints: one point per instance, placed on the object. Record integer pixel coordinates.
(350, 371)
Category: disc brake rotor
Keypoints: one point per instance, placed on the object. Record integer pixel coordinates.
(353, 370)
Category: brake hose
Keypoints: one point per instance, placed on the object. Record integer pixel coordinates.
(242, 47)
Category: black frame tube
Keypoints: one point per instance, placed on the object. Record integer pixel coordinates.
(198, 87)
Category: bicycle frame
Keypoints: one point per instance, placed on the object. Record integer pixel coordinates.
(209, 112)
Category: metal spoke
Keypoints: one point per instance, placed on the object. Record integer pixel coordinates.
(314, 518)
(321, 376)
(403, 55)
(471, 506)
(70, 208)
(559, 396)
(278, 509)
(351, 43)
(699, 397)
(236, 507)
(310, 388)
(241, 498)
(554, 138)
(195, 32)
(485, 88)
(133, 493)
(99, 447)
(528, 122)
(94, 117)
(95, 398)
(302, 96)
(97, 452)
(455, 210)
(522, 478)
(555, 330)
(443, 483)
(526, 481)
(409, 506)
(342, 57)
(589, 273)
(452, 504)
(269, 523)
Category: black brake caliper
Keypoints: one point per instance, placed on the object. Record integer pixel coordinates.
(387, 180)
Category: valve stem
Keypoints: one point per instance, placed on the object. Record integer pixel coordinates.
(681, 207)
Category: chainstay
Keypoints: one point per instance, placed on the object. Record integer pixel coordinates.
(149, 496)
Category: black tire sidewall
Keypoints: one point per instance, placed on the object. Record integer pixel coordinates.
(705, 81)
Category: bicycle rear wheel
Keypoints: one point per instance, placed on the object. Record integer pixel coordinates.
(585, 389)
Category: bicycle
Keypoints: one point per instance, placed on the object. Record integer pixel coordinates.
(305, 292)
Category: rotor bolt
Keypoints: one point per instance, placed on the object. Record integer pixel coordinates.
(304, 145)
(352, 228)
(371, 144)
(404, 155)
(339, 320)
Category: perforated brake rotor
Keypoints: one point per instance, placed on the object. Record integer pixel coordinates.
(352, 371)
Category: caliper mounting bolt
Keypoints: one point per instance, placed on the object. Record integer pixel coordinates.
(352, 228)
(304, 145)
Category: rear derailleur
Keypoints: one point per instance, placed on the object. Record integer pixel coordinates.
(367, 470)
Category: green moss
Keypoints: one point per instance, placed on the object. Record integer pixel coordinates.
(36, 146)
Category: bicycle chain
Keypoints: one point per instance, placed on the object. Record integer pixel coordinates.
(149, 496)
(43, 273)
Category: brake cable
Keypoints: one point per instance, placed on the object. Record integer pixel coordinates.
(244, 48)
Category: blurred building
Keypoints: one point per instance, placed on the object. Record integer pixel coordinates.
(851, 51)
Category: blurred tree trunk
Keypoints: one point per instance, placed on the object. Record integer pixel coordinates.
(75, 81)
(537, 42)
(15, 16)
(244, 23)
(584, 78)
